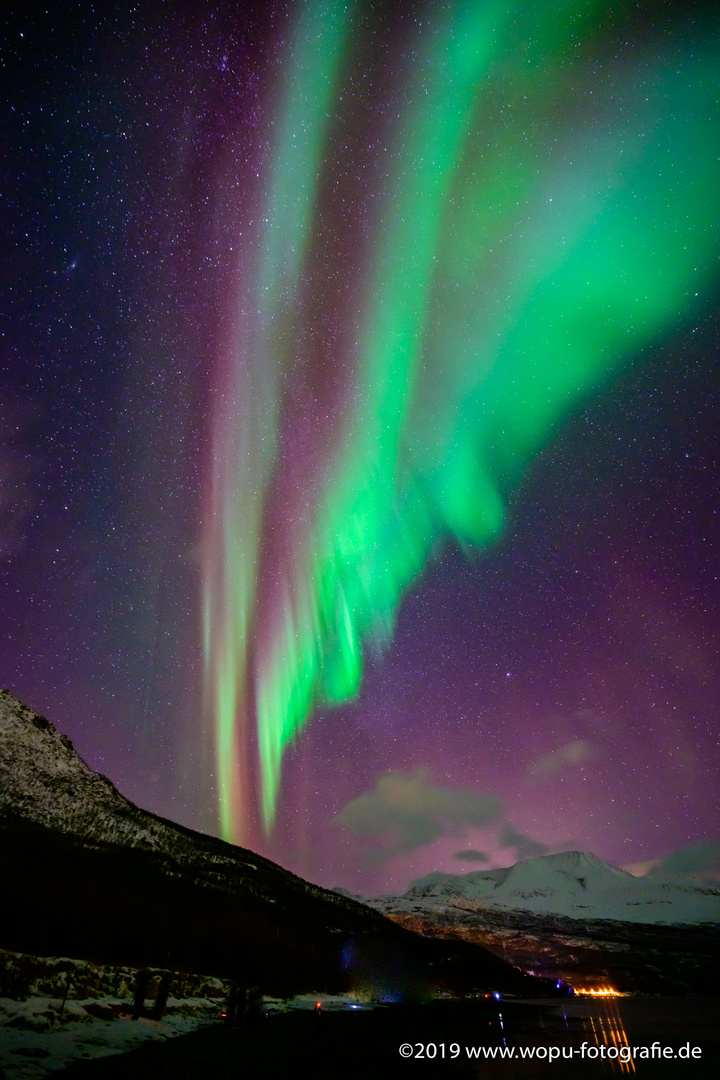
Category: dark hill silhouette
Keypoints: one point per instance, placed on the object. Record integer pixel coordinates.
(88, 874)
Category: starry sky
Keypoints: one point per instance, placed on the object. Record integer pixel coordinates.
(359, 453)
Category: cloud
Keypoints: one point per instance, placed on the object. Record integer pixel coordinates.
(525, 846)
(471, 856)
(576, 752)
(694, 858)
(405, 812)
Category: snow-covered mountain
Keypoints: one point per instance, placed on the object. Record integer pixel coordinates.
(89, 874)
(573, 884)
(574, 917)
(54, 808)
(43, 780)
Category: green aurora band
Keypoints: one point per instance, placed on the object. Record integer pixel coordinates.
(545, 206)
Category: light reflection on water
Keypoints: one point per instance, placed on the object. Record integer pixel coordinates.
(608, 1030)
(579, 1029)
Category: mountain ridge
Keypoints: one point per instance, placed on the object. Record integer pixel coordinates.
(571, 884)
(573, 917)
(44, 780)
(96, 877)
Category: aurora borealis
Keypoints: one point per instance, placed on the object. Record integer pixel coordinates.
(378, 343)
(485, 306)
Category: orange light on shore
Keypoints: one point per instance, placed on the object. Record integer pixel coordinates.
(600, 991)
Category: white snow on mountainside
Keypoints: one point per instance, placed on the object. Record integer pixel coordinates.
(574, 884)
(43, 779)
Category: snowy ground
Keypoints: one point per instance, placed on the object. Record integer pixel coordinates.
(57, 1010)
(327, 1002)
(35, 1039)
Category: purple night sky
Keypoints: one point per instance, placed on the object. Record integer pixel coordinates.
(557, 690)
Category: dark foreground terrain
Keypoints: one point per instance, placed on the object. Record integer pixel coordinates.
(366, 1044)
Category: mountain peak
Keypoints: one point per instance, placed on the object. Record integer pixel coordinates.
(17, 721)
(43, 778)
(576, 884)
(570, 863)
